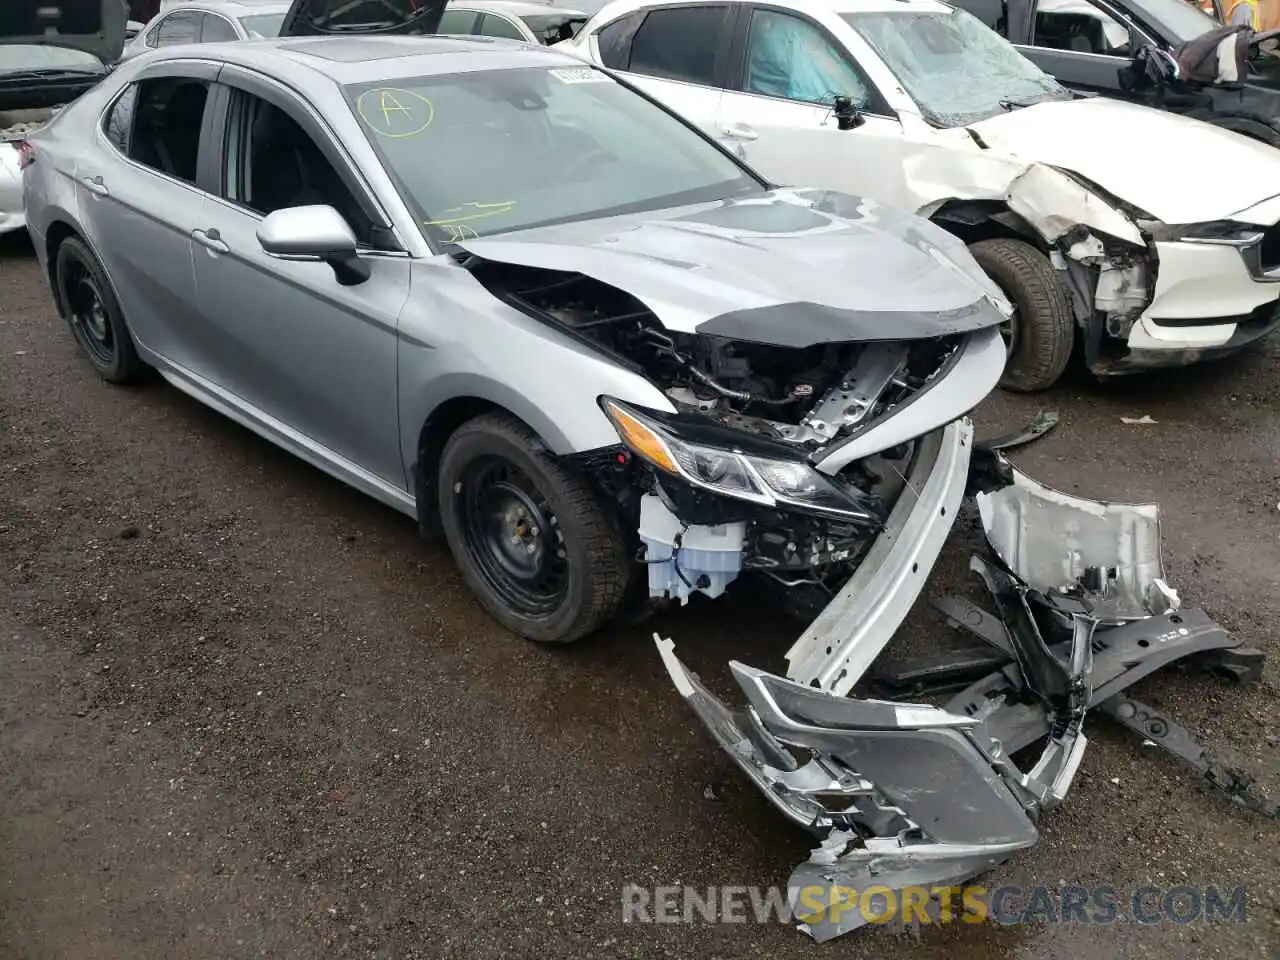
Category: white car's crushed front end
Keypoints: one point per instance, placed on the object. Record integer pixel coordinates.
(1165, 266)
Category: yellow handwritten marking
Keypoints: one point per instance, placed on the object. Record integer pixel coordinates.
(468, 212)
(395, 113)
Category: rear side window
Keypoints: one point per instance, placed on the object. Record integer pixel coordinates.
(494, 26)
(457, 21)
(615, 41)
(167, 117)
(181, 27)
(679, 43)
(216, 29)
(118, 123)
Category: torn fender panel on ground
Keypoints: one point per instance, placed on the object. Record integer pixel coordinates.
(773, 269)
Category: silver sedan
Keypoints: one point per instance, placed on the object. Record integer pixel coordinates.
(510, 296)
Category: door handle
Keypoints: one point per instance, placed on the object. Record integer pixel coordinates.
(95, 186)
(740, 131)
(210, 238)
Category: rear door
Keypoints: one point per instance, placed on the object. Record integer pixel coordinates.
(677, 54)
(140, 197)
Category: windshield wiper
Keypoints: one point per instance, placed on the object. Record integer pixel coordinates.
(1009, 103)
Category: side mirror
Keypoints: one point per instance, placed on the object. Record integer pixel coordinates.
(847, 114)
(315, 234)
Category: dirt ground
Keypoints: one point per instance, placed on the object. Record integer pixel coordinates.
(244, 711)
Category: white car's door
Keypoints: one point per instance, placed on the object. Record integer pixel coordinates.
(780, 115)
(675, 54)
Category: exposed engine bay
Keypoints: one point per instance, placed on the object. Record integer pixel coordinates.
(782, 403)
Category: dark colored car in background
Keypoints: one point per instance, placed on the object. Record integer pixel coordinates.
(1095, 46)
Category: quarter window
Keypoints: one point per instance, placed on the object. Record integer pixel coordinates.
(679, 43)
(614, 41)
(793, 59)
(118, 123)
(1081, 27)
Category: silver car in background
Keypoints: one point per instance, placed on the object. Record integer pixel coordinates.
(512, 20)
(208, 21)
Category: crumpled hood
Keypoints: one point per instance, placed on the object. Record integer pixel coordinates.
(1176, 169)
(790, 268)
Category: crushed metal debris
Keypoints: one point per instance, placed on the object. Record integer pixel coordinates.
(902, 793)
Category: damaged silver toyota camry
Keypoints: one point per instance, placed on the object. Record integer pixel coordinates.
(507, 294)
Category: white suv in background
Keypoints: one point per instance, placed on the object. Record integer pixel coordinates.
(1093, 215)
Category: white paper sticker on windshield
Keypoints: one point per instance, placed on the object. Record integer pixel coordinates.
(580, 75)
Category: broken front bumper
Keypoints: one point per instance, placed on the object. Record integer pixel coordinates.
(908, 795)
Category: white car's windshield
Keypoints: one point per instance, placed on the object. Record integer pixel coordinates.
(23, 58)
(957, 70)
(493, 151)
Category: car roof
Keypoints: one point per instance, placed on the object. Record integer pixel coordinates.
(361, 57)
(831, 6)
(516, 8)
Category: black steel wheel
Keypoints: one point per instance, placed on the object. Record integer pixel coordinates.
(513, 537)
(88, 304)
(534, 540)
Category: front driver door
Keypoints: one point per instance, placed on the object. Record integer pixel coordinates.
(1082, 45)
(284, 336)
(779, 116)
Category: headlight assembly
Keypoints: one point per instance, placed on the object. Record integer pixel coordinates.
(1224, 232)
(732, 473)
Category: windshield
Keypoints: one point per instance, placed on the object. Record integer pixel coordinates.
(553, 27)
(488, 152)
(21, 58)
(1181, 20)
(263, 24)
(956, 69)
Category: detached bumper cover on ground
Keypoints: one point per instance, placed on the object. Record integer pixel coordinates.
(905, 794)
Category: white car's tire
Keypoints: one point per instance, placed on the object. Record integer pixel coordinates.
(1042, 333)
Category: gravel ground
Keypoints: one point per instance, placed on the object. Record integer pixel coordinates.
(245, 712)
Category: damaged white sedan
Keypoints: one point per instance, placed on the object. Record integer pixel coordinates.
(1141, 238)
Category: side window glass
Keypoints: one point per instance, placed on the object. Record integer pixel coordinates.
(273, 164)
(457, 21)
(166, 132)
(679, 43)
(153, 36)
(614, 41)
(492, 25)
(791, 58)
(118, 122)
(1080, 27)
(216, 29)
(181, 27)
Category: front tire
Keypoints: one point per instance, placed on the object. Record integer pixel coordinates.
(1042, 332)
(533, 540)
(89, 305)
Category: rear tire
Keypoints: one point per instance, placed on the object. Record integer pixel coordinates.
(533, 540)
(89, 305)
(1042, 332)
